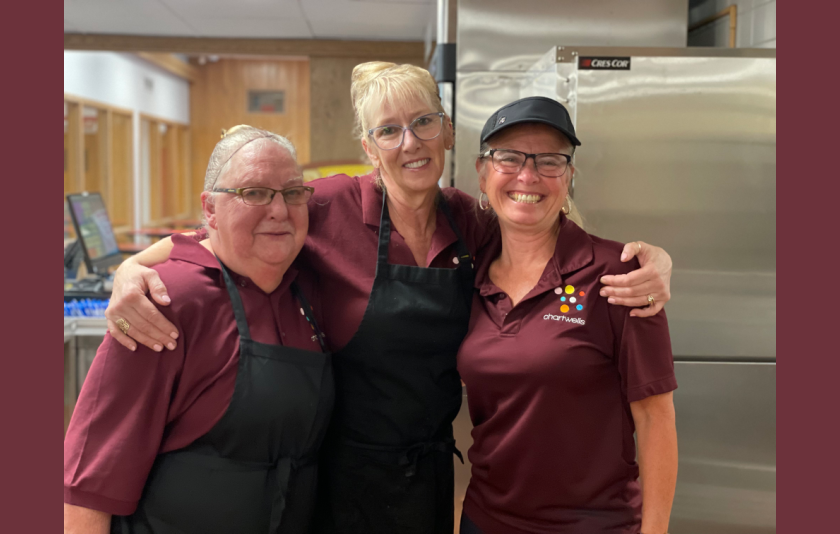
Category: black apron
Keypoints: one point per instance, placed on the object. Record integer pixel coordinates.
(255, 471)
(387, 465)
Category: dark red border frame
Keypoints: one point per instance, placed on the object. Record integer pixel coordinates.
(808, 197)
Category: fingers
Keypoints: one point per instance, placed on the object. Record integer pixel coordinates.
(121, 338)
(631, 250)
(146, 324)
(631, 302)
(633, 278)
(156, 287)
(647, 311)
(648, 287)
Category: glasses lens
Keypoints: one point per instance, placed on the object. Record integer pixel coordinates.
(551, 165)
(257, 196)
(427, 127)
(387, 137)
(508, 161)
(296, 195)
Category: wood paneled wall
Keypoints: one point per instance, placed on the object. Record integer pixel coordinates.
(331, 109)
(219, 99)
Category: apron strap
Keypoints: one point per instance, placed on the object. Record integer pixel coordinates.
(310, 317)
(463, 252)
(236, 302)
(465, 263)
(384, 234)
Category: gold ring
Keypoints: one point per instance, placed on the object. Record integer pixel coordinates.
(651, 300)
(640, 247)
(123, 325)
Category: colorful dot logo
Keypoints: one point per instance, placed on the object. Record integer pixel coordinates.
(571, 299)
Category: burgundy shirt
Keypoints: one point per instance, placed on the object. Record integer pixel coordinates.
(549, 384)
(343, 238)
(134, 406)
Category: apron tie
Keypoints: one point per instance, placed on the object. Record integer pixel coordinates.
(412, 455)
(282, 474)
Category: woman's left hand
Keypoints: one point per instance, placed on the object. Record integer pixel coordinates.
(652, 278)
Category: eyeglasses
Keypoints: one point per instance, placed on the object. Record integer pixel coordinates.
(391, 136)
(262, 196)
(548, 164)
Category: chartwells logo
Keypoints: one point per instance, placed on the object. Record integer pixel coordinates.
(604, 63)
(571, 300)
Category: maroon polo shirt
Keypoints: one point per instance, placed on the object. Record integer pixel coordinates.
(342, 245)
(549, 384)
(134, 406)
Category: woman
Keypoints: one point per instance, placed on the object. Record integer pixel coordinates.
(557, 378)
(393, 254)
(220, 435)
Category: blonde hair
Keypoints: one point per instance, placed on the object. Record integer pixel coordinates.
(376, 82)
(232, 141)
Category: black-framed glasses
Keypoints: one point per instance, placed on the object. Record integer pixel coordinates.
(548, 164)
(391, 136)
(261, 196)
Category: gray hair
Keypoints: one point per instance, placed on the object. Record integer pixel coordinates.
(232, 141)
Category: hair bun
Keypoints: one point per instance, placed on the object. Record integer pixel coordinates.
(363, 74)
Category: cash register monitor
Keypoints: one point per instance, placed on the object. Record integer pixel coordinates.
(93, 228)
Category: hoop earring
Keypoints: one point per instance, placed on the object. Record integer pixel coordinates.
(483, 196)
(564, 209)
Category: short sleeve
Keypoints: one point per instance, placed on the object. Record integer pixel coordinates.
(117, 426)
(643, 352)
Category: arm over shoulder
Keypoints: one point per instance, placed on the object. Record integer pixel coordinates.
(118, 425)
(642, 346)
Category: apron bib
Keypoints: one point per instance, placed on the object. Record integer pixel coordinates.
(255, 471)
(387, 460)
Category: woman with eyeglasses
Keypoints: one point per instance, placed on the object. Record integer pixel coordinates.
(221, 434)
(394, 254)
(558, 380)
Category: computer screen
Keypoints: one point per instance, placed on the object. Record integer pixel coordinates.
(93, 228)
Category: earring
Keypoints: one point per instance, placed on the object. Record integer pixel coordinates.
(564, 209)
(481, 198)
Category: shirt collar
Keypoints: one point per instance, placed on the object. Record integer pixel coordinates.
(371, 199)
(188, 249)
(572, 252)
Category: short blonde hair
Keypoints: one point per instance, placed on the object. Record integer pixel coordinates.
(376, 82)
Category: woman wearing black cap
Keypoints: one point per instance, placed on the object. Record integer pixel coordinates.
(393, 253)
(557, 379)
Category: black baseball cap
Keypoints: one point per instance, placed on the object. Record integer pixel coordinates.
(531, 109)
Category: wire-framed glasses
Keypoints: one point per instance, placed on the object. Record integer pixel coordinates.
(549, 164)
(261, 196)
(391, 136)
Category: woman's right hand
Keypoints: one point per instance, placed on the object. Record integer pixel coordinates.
(129, 302)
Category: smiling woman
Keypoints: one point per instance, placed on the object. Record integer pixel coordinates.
(221, 434)
(553, 440)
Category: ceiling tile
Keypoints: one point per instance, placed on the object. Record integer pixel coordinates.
(252, 28)
(368, 20)
(208, 9)
(147, 17)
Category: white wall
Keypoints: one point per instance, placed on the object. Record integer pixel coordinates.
(126, 81)
(756, 26)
